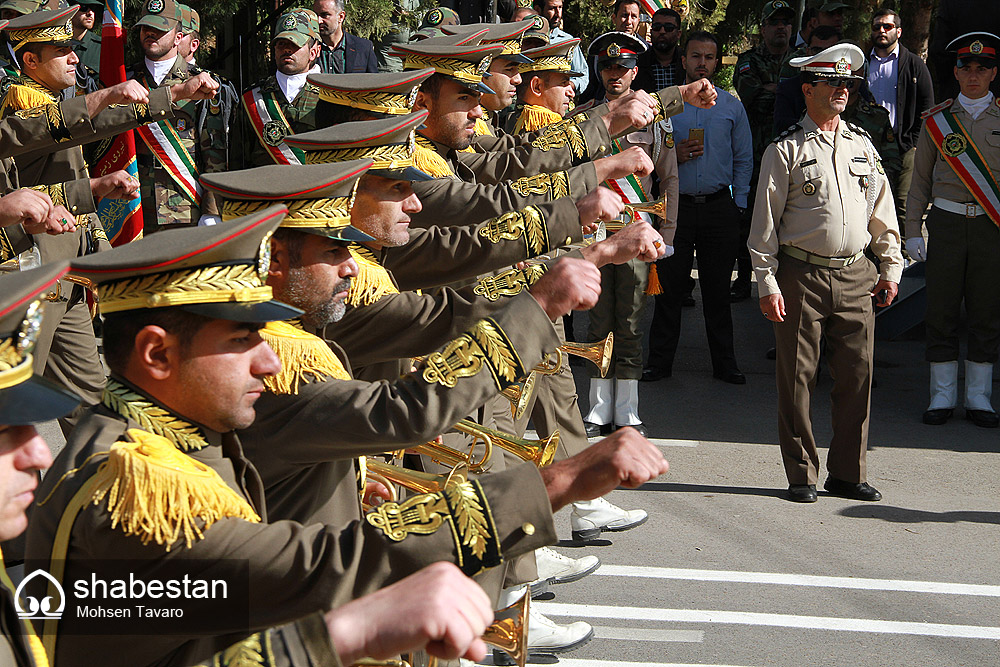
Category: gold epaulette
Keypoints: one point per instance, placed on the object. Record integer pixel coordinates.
(427, 159)
(534, 118)
(304, 357)
(25, 93)
(157, 493)
(372, 282)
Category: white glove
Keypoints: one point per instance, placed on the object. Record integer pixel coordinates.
(916, 249)
(208, 220)
(668, 251)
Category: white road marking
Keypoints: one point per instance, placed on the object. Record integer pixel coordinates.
(571, 662)
(858, 583)
(660, 442)
(648, 634)
(583, 611)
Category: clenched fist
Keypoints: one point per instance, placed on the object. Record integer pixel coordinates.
(570, 284)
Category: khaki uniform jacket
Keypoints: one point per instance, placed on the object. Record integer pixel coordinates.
(827, 199)
(932, 177)
(330, 421)
(295, 569)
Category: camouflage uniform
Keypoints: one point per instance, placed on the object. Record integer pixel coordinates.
(755, 69)
(874, 120)
(300, 113)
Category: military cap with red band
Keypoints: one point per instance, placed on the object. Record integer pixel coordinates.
(981, 46)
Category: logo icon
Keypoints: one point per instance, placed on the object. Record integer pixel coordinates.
(976, 47)
(289, 23)
(954, 144)
(154, 6)
(47, 607)
(614, 50)
(842, 66)
(434, 17)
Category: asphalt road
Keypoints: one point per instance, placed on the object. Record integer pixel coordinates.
(726, 572)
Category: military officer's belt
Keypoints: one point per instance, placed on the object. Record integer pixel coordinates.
(702, 199)
(821, 260)
(968, 210)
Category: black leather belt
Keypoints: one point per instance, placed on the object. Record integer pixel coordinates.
(704, 199)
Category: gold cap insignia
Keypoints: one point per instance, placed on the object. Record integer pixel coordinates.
(264, 257)
(435, 16)
(842, 66)
(976, 47)
(484, 66)
(614, 50)
(30, 327)
(289, 23)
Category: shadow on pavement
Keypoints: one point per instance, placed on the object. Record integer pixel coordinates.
(708, 489)
(906, 515)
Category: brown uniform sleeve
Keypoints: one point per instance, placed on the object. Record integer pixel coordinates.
(443, 254)
(305, 643)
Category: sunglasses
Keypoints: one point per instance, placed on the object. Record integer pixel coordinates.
(880, 27)
(850, 84)
(779, 21)
(666, 27)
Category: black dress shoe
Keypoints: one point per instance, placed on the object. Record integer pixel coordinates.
(982, 418)
(654, 374)
(802, 493)
(852, 490)
(638, 427)
(937, 416)
(597, 430)
(732, 376)
(739, 293)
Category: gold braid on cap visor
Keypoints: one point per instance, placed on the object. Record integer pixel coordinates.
(392, 103)
(14, 368)
(235, 283)
(463, 70)
(332, 213)
(56, 33)
(550, 63)
(511, 47)
(394, 156)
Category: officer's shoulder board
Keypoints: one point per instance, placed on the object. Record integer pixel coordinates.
(933, 110)
(792, 129)
(858, 129)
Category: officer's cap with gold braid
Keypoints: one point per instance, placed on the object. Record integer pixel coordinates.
(975, 46)
(216, 271)
(45, 27)
(552, 58)
(616, 48)
(319, 197)
(840, 61)
(162, 15)
(458, 39)
(466, 65)
(507, 35)
(390, 143)
(384, 92)
(26, 398)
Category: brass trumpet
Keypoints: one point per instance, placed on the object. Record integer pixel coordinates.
(540, 452)
(520, 395)
(598, 353)
(657, 208)
(509, 632)
(414, 480)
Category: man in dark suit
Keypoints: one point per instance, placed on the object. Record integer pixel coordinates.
(342, 53)
(899, 81)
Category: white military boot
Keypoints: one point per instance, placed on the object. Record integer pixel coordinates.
(944, 392)
(544, 634)
(554, 568)
(978, 391)
(591, 517)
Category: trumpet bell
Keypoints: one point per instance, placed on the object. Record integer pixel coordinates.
(509, 632)
(657, 208)
(414, 480)
(599, 353)
(520, 395)
(540, 452)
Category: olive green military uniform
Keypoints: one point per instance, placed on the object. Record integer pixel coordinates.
(163, 202)
(874, 120)
(825, 194)
(756, 69)
(19, 646)
(88, 49)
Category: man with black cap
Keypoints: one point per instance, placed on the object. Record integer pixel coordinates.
(87, 39)
(822, 200)
(284, 103)
(955, 170)
(171, 154)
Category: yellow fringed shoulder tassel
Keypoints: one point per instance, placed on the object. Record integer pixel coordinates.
(428, 161)
(372, 282)
(304, 357)
(534, 118)
(22, 97)
(158, 493)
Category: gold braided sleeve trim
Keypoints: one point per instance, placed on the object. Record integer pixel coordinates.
(462, 505)
(528, 223)
(214, 284)
(562, 133)
(486, 344)
(159, 494)
(555, 185)
(254, 651)
(509, 283)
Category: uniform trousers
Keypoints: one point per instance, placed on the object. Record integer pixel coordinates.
(962, 264)
(835, 305)
(713, 229)
(619, 310)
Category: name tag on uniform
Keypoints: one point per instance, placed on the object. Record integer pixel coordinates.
(859, 158)
(808, 163)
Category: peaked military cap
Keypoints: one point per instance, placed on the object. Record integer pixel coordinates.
(552, 58)
(457, 39)
(390, 143)
(384, 92)
(43, 27)
(217, 271)
(297, 26)
(981, 46)
(21, 7)
(26, 398)
(465, 64)
(776, 7)
(190, 21)
(507, 35)
(539, 29)
(844, 61)
(319, 197)
(440, 16)
(615, 47)
(162, 15)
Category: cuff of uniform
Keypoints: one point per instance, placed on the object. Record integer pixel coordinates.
(582, 179)
(891, 272)
(315, 641)
(79, 196)
(671, 102)
(521, 509)
(77, 118)
(767, 284)
(161, 104)
(595, 132)
(563, 223)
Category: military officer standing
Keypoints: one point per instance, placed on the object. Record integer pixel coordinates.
(285, 102)
(171, 154)
(822, 200)
(955, 170)
(87, 34)
(756, 82)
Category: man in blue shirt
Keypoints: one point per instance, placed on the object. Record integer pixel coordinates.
(715, 161)
(552, 11)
